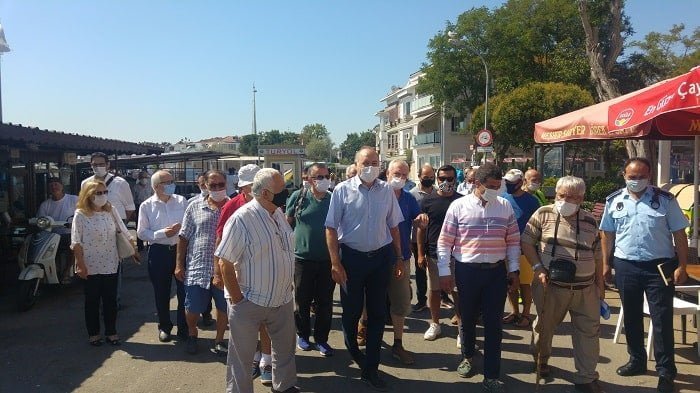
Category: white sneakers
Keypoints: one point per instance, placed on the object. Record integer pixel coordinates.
(433, 332)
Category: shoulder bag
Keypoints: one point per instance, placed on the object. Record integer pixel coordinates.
(124, 247)
(561, 269)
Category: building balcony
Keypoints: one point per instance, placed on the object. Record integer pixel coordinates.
(421, 105)
(427, 139)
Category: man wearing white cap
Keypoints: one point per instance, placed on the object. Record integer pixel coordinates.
(524, 206)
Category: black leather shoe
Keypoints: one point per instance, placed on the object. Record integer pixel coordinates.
(632, 368)
(590, 387)
(374, 382)
(359, 358)
(665, 384)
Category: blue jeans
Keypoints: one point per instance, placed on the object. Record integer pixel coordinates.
(161, 269)
(482, 290)
(368, 273)
(634, 279)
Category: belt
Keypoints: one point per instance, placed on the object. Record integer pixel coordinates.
(573, 286)
(368, 254)
(487, 265)
(165, 246)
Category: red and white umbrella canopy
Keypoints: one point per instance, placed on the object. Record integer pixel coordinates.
(671, 106)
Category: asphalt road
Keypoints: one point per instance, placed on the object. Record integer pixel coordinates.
(46, 350)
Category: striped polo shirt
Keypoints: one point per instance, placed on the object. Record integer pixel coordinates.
(476, 233)
(539, 232)
(261, 247)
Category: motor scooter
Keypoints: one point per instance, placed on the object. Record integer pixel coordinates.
(41, 262)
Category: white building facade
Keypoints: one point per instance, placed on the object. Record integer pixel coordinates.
(410, 128)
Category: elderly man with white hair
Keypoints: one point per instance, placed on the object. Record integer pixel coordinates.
(160, 218)
(562, 244)
(257, 264)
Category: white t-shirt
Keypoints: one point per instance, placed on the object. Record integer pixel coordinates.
(59, 210)
(119, 195)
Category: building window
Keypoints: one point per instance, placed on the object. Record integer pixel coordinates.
(393, 142)
(598, 165)
(406, 108)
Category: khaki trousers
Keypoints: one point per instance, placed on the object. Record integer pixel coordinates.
(583, 305)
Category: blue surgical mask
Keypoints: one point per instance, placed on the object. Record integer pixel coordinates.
(637, 185)
(169, 189)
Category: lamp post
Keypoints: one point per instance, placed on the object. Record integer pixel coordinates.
(452, 38)
(255, 130)
(3, 49)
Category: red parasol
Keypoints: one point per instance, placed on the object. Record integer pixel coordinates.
(671, 106)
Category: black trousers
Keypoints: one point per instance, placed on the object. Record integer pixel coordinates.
(421, 277)
(313, 283)
(161, 270)
(101, 289)
(634, 279)
(368, 274)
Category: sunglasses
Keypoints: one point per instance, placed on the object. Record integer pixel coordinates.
(321, 177)
(442, 178)
(216, 186)
(105, 192)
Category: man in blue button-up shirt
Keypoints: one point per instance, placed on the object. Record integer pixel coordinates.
(645, 223)
(363, 221)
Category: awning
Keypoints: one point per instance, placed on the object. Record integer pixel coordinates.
(413, 122)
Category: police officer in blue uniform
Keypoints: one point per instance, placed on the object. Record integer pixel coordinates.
(645, 223)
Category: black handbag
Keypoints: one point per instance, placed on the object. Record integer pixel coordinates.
(561, 269)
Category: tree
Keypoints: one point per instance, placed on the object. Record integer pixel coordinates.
(353, 142)
(249, 144)
(312, 132)
(514, 114)
(320, 149)
(522, 41)
(606, 26)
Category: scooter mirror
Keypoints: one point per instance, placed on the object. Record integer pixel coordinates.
(44, 223)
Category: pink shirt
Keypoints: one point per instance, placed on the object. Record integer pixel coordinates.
(472, 233)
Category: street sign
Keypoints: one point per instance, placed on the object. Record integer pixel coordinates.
(484, 138)
(484, 149)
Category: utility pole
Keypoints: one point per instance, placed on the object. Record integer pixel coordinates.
(255, 130)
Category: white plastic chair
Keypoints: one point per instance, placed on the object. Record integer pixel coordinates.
(680, 307)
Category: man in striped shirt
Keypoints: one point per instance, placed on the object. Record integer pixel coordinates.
(480, 232)
(257, 263)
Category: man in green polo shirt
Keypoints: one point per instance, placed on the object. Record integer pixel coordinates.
(307, 209)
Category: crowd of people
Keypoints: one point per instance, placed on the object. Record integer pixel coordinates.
(269, 260)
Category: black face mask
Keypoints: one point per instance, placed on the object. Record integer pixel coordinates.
(427, 182)
(280, 199)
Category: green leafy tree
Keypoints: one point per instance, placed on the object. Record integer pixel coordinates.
(353, 142)
(320, 149)
(312, 132)
(248, 144)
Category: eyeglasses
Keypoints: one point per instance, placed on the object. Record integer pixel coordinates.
(443, 178)
(167, 183)
(98, 165)
(321, 177)
(216, 186)
(105, 192)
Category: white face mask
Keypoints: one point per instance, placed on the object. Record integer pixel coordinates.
(99, 200)
(490, 195)
(218, 196)
(323, 185)
(369, 173)
(637, 185)
(532, 187)
(305, 185)
(397, 183)
(144, 182)
(565, 208)
(100, 171)
(204, 192)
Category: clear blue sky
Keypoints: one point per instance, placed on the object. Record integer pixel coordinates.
(159, 70)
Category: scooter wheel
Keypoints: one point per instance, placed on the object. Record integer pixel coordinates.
(27, 294)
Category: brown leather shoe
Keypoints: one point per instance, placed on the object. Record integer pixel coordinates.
(362, 333)
(402, 355)
(590, 387)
